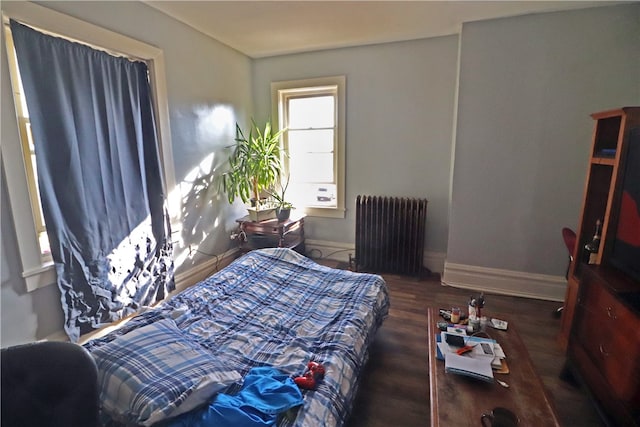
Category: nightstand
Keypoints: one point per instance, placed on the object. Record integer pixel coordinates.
(272, 233)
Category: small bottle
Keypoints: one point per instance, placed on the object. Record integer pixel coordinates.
(472, 307)
(483, 323)
(592, 247)
(480, 305)
(455, 315)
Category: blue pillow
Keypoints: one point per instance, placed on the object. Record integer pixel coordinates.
(155, 372)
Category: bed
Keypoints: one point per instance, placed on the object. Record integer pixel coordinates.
(270, 308)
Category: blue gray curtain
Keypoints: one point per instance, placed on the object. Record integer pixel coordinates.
(99, 177)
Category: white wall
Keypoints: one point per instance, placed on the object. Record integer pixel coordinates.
(400, 103)
(205, 79)
(527, 87)
(522, 130)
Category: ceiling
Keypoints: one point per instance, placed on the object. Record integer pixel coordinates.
(267, 28)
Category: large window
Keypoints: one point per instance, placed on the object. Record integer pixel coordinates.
(37, 266)
(313, 113)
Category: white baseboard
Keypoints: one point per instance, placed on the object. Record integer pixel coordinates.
(339, 251)
(203, 270)
(506, 282)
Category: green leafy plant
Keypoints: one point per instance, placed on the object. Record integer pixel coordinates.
(279, 197)
(255, 164)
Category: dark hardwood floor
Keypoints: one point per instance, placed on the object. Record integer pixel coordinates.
(395, 387)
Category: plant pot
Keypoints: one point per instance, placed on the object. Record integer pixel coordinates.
(283, 214)
(261, 214)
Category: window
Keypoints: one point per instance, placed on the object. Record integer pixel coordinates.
(28, 149)
(37, 266)
(313, 113)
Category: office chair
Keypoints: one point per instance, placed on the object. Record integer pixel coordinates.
(569, 237)
(49, 384)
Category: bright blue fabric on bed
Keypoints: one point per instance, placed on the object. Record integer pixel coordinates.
(265, 393)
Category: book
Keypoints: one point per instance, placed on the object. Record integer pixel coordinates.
(497, 358)
(475, 367)
(476, 343)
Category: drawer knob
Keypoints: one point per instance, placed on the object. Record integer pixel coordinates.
(603, 351)
(611, 313)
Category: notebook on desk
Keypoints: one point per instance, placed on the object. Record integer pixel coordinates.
(497, 360)
(476, 367)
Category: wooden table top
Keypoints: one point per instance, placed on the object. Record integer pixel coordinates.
(272, 225)
(457, 400)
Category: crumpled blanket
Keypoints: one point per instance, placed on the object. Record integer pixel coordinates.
(266, 392)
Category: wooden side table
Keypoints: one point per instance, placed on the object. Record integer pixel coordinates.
(272, 233)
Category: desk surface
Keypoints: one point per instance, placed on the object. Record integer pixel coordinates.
(458, 400)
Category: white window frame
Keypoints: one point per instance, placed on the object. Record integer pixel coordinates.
(280, 91)
(38, 271)
(26, 139)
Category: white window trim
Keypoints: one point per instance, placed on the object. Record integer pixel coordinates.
(37, 272)
(340, 82)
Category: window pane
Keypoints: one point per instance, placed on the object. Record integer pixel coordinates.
(314, 195)
(39, 216)
(43, 240)
(314, 112)
(310, 141)
(23, 99)
(32, 147)
(311, 167)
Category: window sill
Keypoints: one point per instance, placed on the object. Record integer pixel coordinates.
(40, 277)
(324, 212)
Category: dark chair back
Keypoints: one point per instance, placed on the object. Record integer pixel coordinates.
(49, 384)
(569, 237)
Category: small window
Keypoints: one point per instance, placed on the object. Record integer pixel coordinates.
(313, 113)
(28, 148)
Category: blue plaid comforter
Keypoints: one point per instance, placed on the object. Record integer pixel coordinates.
(274, 307)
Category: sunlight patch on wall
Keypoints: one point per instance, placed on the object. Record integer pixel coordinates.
(201, 203)
(197, 191)
(215, 122)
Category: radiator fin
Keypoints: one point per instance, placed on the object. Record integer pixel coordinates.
(390, 234)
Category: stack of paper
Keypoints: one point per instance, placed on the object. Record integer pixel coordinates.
(476, 367)
(477, 363)
(498, 352)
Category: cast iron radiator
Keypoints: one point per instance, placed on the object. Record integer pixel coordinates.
(390, 234)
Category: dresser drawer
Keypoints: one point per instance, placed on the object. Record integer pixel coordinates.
(625, 413)
(608, 332)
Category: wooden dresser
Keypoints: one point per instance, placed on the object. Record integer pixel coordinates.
(605, 172)
(600, 322)
(604, 346)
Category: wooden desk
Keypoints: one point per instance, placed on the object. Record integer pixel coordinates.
(459, 401)
(272, 233)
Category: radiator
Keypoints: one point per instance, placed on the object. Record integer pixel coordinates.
(390, 234)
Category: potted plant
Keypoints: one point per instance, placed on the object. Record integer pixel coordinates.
(283, 207)
(255, 165)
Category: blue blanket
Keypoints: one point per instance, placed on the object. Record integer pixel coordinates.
(265, 393)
